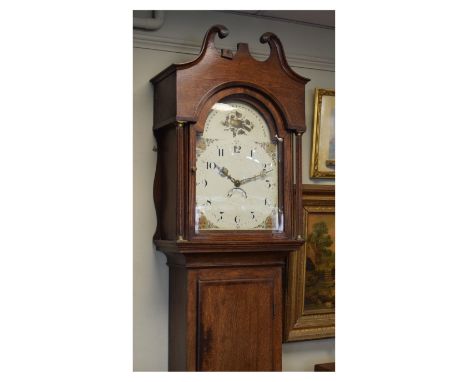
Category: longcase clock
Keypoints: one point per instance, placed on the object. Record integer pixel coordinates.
(228, 131)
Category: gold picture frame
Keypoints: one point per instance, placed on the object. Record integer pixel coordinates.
(310, 291)
(322, 160)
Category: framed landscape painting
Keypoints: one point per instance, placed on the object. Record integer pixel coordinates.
(310, 294)
(322, 161)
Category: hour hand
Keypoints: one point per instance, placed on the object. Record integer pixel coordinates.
(223, 171)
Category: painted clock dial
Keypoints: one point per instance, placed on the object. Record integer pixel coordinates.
(237, 171)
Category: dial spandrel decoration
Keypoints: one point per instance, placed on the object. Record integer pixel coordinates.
(237, 171)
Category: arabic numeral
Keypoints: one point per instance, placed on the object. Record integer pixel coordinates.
(203, 182)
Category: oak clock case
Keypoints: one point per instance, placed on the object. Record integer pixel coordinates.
(227, 214)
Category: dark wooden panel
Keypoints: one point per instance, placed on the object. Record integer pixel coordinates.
(237, 320)
(325, 366)
(178, 321)
(165, 101)
(165, 185)
(189, 271)
(255, 243)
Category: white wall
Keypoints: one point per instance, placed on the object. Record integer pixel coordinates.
(311, 53)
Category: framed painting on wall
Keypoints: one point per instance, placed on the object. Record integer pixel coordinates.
(310, 293)
(322, 162)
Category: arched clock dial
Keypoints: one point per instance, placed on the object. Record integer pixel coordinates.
(237, 171)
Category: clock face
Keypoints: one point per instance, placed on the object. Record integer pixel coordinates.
(237, 171)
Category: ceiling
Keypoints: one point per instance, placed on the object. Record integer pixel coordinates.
(324, 19)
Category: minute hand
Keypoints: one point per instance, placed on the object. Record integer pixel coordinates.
(261, 175)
